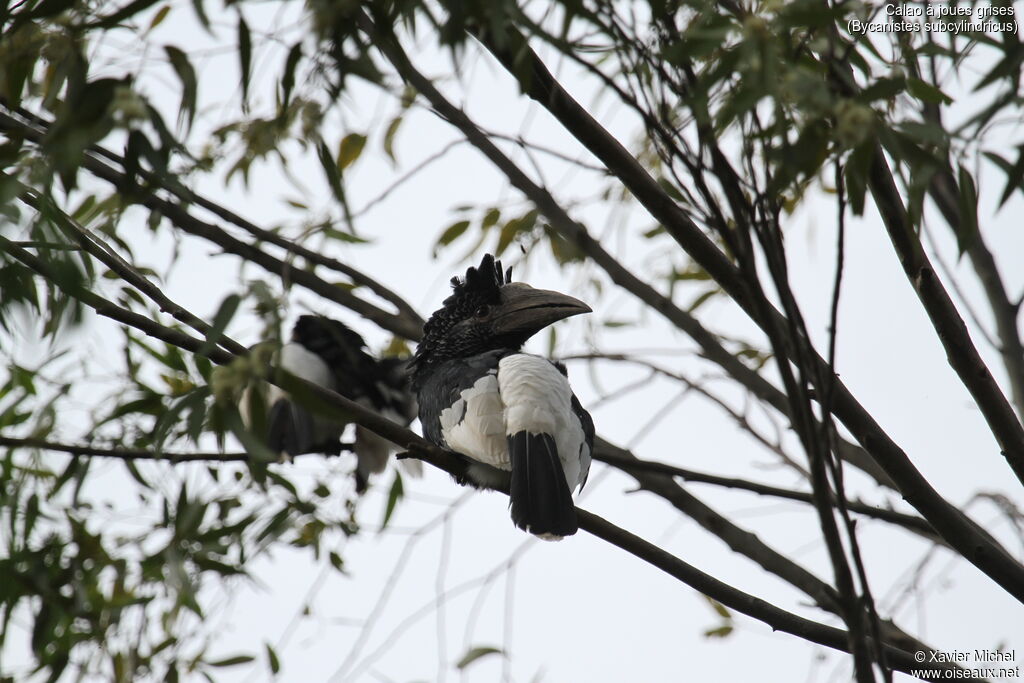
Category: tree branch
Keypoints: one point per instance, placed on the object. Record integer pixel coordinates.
(612, 455)
(398, 324)
(449, 462)
(87, 450)
(188, 196)
(952, 524)
(104, 254)
(778, 619)
(961, 353)
(711, 347)
(111, 310)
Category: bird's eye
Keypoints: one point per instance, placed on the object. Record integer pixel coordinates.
(482, 311)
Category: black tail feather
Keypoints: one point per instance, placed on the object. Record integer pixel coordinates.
(290, 429)
(540, 498)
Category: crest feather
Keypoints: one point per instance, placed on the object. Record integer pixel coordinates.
(488, 276)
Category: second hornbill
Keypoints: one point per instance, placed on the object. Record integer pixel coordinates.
(326, 352)
(504, 410)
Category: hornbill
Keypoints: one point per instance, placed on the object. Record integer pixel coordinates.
(326, 352)
(500, 408)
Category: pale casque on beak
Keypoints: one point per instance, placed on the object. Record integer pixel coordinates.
(524, 308)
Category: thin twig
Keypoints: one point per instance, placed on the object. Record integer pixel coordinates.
(912, 523)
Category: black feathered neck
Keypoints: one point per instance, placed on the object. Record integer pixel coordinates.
(479, 287)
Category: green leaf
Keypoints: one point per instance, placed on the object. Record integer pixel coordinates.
(189, 84)
(159, 17)
(803, 158)
(168, 418)
(254, 446)
(926, 92)
(450, 234)
(245, 57)
(967, 229)
(272, 659)
(720, 632)
(490, 219)
(1014, 174)
(654, 232)
(331, 171)
(349, 150)
(719, 608)
(564, 250)
(702, 299)
(225, 313)
(514, 227)
(670, 189)
(389, 137)
(288, 78)
(31, 515)
(1008, 67)
(883, 89)
(473, 654)
(394, 495)
(232, 661)
(200, 10)
(855, 173)
(336, 561)
(126, 12)
(342, 236)
(929, 133)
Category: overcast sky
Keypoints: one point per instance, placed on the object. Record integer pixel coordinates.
(581, 610)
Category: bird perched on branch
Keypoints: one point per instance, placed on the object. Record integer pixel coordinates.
(505, 411)
(326, 352)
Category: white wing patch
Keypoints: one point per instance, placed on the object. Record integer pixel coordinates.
(301, 362)
(538, 399)
(475, 426)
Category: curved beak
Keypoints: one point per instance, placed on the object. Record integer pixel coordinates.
(525, 309)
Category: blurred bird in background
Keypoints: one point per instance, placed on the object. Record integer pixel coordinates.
(326, 352)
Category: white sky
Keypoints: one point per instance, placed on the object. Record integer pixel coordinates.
(581, 610)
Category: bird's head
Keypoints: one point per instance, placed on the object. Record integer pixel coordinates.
(487, 311)
(311, 330)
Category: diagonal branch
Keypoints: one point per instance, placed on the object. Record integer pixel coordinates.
(651, 478)
(952, 524)
(183, 220)
(109, 309)
(91, 244)
(959, 531)
(778, 619)
(188, 196)
(136, 454)
(944, 193)
(622, 459)
(447, 461)
(711, 347)
(949, 326)
(86, 450)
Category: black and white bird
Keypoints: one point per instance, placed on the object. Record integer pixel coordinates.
(326, 352)
(504, 410)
